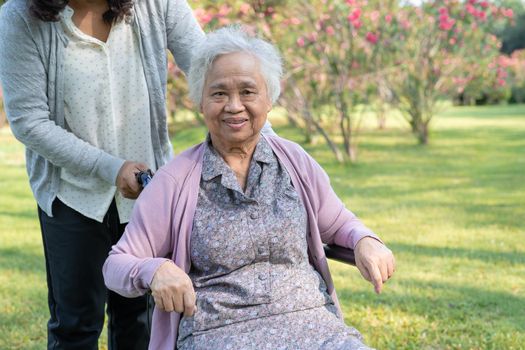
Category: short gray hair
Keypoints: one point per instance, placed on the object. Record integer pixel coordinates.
(230, 40)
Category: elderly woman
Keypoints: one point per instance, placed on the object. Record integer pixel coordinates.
(230, 233)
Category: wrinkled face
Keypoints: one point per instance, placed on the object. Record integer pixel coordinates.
(235, 102)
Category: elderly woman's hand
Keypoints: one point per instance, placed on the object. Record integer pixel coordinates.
(375, 261)
(172, 289)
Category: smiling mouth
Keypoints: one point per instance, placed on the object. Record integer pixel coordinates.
(235, 120)
(235, 123)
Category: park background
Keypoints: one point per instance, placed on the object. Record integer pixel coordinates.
(414, 110)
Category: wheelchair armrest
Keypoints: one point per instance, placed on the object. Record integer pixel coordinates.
(341, 254)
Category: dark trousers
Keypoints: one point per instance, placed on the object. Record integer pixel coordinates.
(75, 249)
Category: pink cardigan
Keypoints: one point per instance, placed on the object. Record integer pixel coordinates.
(162, 220)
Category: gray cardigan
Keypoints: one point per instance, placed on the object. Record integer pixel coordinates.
(31, 73)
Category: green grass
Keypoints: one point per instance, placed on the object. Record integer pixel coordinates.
(453, 213)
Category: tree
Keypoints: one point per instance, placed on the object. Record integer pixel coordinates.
(344, 54)
(446, 42)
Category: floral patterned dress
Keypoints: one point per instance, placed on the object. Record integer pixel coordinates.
(255, 286)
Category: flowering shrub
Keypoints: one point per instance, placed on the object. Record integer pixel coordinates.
(341, 54)
(447, 49)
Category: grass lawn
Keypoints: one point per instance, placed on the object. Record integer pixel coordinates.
(453, 213)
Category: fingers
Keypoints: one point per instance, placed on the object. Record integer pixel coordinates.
(189, 303)
(132, 188)
(167, 303)
(172, 290)
(376, 278)
(178, 303)
(391, 267)
(383, 270)
(375, 262)
(141, 166)
(127, 182)
(158, 302)
(363, 269)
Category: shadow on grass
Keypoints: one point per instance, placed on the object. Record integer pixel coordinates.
(488, 112)
(477, 254)
(26, 214)
(20, 259)
(444, 301)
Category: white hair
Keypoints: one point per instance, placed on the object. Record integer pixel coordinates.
(228, 40)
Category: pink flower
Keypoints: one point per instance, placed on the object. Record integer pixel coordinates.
(291, 21)
(445, 22)
(350, 2)
(372, 37)
(244, 8)
(388, 18)
(484, 4)
(508, 13)
(224, 21)
(312, 37)
(270, 12)
(374, 16)
(482, 15)
(224, 10)
(330, 30)
(171, 69)
(447, 25)
(357, 24)
(354, 15)
(443, 11)
(452, 41)
(202, 16)
(205, 18)
(300, 42)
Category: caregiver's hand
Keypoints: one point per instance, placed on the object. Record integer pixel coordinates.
(375, 261)
(127, 182)
(172, 289)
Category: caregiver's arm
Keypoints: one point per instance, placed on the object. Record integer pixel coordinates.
(23, 73)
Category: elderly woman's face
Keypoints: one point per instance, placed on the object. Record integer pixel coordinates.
(235, 101)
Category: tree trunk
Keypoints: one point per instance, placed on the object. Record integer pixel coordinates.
(3, 119)
(345, 126)
(292, 119)
(381, 116)
(333, 147)
(199, 118)
(309, 130)
(422, 134)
